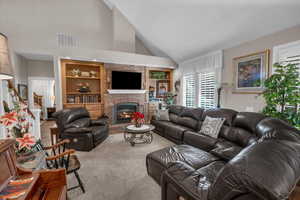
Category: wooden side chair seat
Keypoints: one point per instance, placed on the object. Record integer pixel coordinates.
(63, 158)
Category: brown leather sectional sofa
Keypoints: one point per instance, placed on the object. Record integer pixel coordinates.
(254, 158)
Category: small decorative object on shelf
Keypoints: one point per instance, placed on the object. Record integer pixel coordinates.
(76, 72)
(138, 119)
(84, 87)
(169, 98)
(85, 74)
(93, 74)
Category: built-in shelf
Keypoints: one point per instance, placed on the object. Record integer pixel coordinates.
(80, 77)
(80, 93)
(156, 79)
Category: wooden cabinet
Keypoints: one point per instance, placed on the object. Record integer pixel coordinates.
(83, 85)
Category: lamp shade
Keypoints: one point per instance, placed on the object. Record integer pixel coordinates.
(5, 65)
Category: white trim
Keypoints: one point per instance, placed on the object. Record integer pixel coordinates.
(126, 91)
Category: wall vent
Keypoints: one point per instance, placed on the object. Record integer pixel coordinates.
(66, 41)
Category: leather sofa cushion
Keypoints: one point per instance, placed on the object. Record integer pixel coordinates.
(175, 131)
(199, 140)
(196, 183)
(176, 109)
(188, 122)
(269, 169)
(192, 156)
(160, 125)
(226, 153)
(194, 113)
(78, 130)
(248, 120)
(79, 123)
(276, 128)
(228, 114)
(173, 117)
(74, 114)
(99, 131)
(236, 135)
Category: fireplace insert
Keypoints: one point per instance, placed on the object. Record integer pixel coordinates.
(124, 111)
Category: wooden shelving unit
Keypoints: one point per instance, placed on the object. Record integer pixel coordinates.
(154, 82)
(73, 97)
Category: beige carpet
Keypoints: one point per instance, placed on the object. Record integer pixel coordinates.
(117, 171)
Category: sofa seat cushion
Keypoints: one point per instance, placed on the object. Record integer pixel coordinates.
(194, 182)
(99, 132)
(175, 131)
(199, 140)
(158, 161)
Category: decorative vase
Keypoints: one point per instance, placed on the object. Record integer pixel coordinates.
(138, 124)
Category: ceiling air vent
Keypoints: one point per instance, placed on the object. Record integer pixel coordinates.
(66, 41)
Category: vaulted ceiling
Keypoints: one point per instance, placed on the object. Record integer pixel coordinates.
(183, 29)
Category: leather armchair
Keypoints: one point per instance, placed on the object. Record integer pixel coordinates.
(83, 132)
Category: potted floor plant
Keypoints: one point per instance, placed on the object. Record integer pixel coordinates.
(282, 94)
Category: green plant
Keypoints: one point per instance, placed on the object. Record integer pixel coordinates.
(282, 94)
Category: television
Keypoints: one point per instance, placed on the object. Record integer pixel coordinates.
(126, 80)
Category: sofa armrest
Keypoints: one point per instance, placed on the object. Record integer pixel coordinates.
(101, 121)
(171, 179)
(78, 130)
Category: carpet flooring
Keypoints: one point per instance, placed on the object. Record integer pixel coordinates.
(117, 171)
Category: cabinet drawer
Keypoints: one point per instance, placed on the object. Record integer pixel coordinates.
(73, 105)
(93, 107)
(95, 114)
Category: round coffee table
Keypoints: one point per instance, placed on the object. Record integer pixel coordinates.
(139, 135)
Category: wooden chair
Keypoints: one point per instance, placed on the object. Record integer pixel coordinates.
(62, 158)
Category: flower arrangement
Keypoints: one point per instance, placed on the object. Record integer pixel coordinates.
(17, 124)
(138, 119)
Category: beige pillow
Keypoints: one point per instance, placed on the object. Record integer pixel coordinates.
(212, 126)
(162, 115)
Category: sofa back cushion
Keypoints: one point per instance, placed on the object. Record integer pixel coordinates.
(278, 129)
(173, 117)
(269, 169)
(228, 114)
(79, 123)
(176, 109)
(239, 136)
(188, 122)
(74, 114)
(194, 113)
(248, 120)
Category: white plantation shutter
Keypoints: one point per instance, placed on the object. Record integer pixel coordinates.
(189, 90)
(207, 90)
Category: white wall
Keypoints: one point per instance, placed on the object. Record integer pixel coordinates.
(124, 33)
(38, 68)
(19, 64)
(140, 48)
(34, 24)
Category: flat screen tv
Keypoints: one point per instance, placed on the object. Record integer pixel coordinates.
(126, 80)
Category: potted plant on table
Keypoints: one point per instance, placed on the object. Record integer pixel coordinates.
(138, 119)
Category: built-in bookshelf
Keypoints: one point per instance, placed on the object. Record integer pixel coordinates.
(83, 85)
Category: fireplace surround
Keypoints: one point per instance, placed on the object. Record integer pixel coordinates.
(122, 112)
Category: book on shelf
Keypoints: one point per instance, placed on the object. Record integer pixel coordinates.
(77, 99)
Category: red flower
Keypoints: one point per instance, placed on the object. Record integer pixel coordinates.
(27, 141)
(9, 119)
(137, 116)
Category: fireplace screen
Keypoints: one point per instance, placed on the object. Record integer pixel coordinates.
(124, 112)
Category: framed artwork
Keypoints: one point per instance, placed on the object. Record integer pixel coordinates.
(250, 71)
(23, 91)
(162, 86)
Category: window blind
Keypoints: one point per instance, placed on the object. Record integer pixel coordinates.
(207, 90)
(189, 90)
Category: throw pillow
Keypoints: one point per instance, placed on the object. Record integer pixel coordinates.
(163, 115)
(212, 126)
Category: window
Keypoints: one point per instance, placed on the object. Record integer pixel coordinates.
(207, 90)
(189, 90)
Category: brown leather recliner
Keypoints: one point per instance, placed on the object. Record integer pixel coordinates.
(83, 132)
(255, 157)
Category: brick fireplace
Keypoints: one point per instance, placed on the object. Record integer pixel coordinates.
(118, 106)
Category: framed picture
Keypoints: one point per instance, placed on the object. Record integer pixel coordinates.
(23, 91)
(250, 71)
(162, 86)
